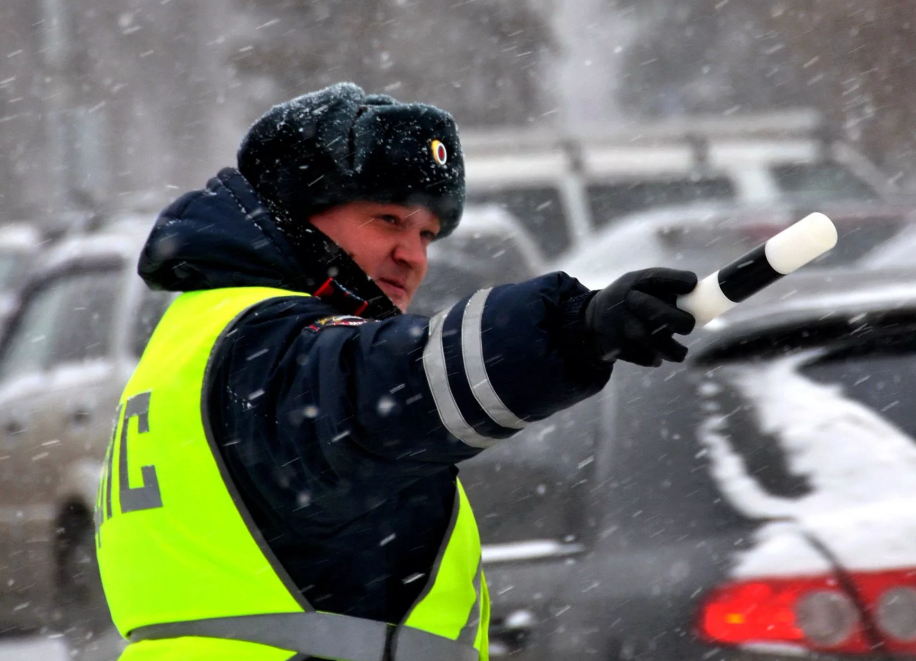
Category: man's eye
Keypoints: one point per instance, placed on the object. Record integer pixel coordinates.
(389, 218)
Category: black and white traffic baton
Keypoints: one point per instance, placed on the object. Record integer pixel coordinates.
(789, 250)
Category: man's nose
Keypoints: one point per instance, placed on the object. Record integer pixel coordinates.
(411, 251)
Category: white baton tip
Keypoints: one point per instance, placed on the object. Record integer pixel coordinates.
(801, 242)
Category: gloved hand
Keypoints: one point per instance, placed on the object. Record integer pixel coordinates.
(634, 317)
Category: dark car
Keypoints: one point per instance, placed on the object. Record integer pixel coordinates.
(758, 501)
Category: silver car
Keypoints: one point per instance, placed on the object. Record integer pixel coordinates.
(83, 321)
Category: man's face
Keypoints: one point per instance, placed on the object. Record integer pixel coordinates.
(387, 241)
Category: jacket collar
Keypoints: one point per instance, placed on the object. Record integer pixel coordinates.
(224, 236)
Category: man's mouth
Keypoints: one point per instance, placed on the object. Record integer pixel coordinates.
(394, 284)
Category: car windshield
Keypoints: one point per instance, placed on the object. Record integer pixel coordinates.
(445, 285)
(152, 306)
(609, 202)
(821, 182)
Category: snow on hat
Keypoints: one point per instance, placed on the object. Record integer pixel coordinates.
(340, 145)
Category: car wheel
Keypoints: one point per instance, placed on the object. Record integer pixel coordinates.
(80, 607)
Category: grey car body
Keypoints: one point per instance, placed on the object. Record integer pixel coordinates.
(782, 450)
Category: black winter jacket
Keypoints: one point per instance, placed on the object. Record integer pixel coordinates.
(326, 421)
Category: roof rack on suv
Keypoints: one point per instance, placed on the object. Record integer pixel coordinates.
(801, 122)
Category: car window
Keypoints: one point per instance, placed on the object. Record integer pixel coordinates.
(29, 344)
(879, 374)
(821, 181)
(87, 317)
(448, 281)
(540, 210)
(68, 319)
(815, 425)
(496, 257)
(639, 243)
(152, 306)
(785, 425)
(612, 200)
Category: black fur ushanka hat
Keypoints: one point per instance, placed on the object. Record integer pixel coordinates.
(340, 145)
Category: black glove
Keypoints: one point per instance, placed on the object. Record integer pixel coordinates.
(634, 317)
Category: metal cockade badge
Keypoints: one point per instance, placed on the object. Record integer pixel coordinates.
(440, 153)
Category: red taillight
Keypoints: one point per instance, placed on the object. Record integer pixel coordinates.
(815, 612)
(768, 611)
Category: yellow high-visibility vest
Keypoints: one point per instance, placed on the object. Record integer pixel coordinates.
(186, 573)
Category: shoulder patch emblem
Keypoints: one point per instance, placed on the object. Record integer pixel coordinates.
(343, 320)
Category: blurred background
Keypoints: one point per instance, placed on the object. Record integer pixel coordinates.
(107, 101)
(600, 136)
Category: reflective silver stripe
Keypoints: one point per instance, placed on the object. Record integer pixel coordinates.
(469, 632)
(416, 645)
(476, 369)
(318, 634)
(437, 378)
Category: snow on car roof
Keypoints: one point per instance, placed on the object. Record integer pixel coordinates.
(119, 241)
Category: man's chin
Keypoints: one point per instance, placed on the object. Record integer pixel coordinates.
(396, 295)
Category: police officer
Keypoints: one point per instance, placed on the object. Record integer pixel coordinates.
(281, 481)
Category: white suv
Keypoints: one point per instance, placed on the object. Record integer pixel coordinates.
(565, 186)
